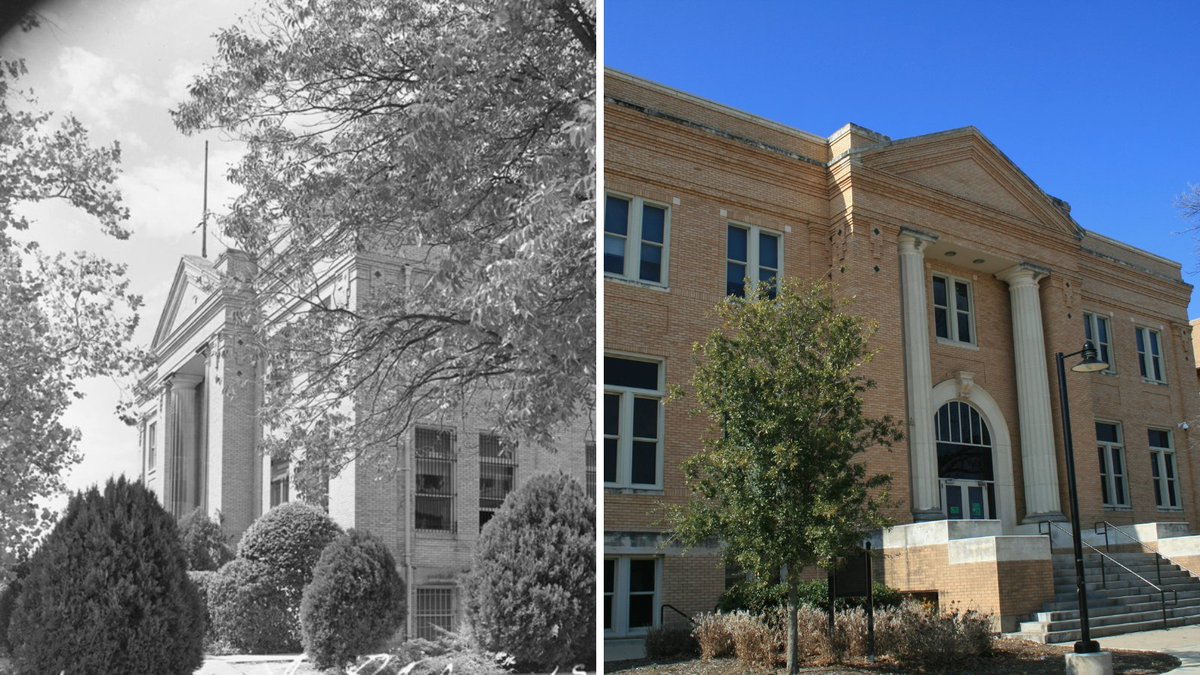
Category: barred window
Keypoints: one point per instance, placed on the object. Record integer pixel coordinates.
(497, 474)
(435, 609)
(589, 449)
(435, 480)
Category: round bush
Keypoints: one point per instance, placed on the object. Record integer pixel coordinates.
(108, 592)
(355, 601)
(250, 611)
(531, 588)
(289, 538)
(203, 541)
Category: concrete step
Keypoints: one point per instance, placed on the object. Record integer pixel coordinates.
(1113, 584)
(1070, 614)
(1054, 637)
(1095, 620)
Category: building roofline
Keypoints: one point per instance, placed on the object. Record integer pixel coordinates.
(1134, 249)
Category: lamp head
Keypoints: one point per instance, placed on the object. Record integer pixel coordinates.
(1091, 362)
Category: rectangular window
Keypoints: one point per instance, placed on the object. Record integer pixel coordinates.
(633, 392)
(631, 595)
(1096, 330)
(635, 239)
(952, 314)
(1163, 470)
(280, 482)
(434, 611)
(434, 508)
(1150, 354)
(497, 474)
(152, 446)
(1113, 484)
(752, 254)
(589, 450)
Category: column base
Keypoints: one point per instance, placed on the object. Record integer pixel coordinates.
(1052, 516)
(1094, 663)
(928, 515)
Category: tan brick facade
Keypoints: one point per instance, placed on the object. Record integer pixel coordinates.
(842, 206)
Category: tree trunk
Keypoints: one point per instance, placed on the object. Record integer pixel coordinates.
(793, 646)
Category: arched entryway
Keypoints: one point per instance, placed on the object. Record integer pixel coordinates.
(971, 398)
(964, 451)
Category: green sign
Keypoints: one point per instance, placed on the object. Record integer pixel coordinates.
(976, 510)
(955, 510)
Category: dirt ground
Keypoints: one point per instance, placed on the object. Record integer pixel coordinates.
(1008, 656)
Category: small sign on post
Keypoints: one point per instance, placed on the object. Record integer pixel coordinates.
(853, 580)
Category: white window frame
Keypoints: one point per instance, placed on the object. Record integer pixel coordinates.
(953, 310)
(752, 262)
(625, 432)
(621, 594)
(1146, 357)
(1091, 332)
(281, 474)
(1160, 458)
(1107, 475)
(151, 447)
(633, 240)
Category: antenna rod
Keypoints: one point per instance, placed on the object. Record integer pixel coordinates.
(204, 222)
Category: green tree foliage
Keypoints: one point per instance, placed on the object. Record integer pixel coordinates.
(108, 592)
(204, 543)
(531, 591)
(66, 315)
(459, 137)
(777, 481)
(354, 603)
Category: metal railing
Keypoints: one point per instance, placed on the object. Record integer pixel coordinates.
(1162, 593)
(1158, 557)
(662, 611)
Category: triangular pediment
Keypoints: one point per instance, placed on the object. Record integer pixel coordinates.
(195, 280)
(963, 164)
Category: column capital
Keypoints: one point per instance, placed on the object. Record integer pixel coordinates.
(914, 241)
(1023, 274)
(183, 381)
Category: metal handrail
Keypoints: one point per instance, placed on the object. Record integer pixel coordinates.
(1162, 593)
(1107, 526)
(673, 608)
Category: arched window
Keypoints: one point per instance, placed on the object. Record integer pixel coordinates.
(964, 450)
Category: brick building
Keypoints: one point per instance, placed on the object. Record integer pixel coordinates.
(976, 278)
(199, 436)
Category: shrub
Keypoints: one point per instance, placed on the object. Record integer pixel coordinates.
(203, 579)
(355, 601)
(755, 641)
(204, 543)
(108, 591)
(713, 636)
(8, 598)
(450, 653)
(759, 597)
(670, 642)
(531, 587)
(918, 636)
(289, 538)
(250, 611)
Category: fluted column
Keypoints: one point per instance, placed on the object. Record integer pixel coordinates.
(181, 475)
(1038, 462)
(922, 453)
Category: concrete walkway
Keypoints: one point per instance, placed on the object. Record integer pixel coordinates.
(1182, 642)
(252, 665)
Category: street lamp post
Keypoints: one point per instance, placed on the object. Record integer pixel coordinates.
(1090, 364)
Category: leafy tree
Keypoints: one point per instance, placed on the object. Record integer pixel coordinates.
(108, 591)
(776, 481)
(456, 138)
(204, 543)
(66, 315)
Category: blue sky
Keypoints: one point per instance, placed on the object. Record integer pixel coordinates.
(1097, 102)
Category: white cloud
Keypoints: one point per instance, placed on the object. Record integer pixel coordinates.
(97, 88)
(165, 196)
(176, 85)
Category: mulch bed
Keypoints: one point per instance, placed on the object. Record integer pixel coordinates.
(1008, 656)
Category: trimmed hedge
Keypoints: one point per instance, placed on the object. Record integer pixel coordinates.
(203, 580)
(108, 592)
(355, 601)
(289, 538)
(761, 597)
(250, 611)
(204, 543)
(531, 588)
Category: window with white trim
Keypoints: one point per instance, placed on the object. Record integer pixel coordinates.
(1149, 347)
(151, 446)
(1163, 470)
(633, 393)
(1097, 331)
(631, 594)
(752, 254)
(435, 609)
(497, 474)
(281, 482)
(1114, 487)
(635, 239)
(434, 493)
(953, 318)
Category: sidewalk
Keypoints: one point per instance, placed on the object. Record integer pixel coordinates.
(274, 664)
(1182, 642)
